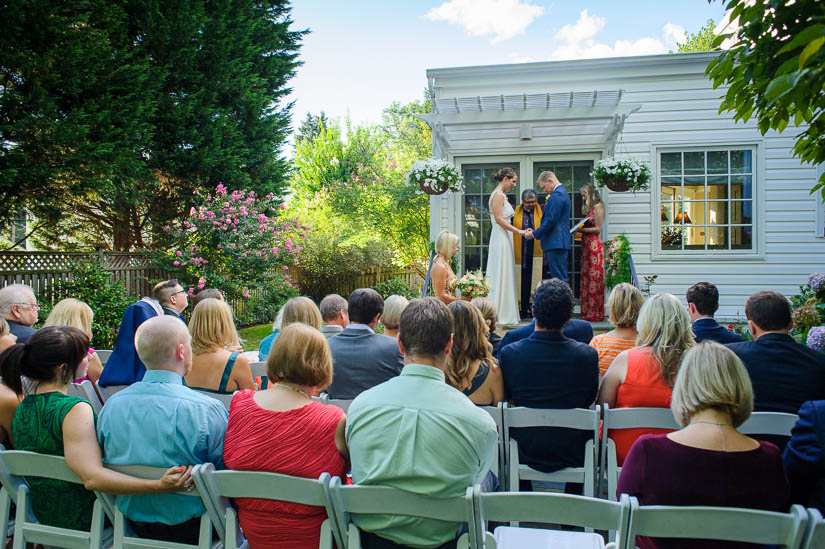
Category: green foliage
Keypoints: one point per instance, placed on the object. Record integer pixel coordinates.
(311, 126)
(263, 306)
(616, 261)
(395, 286)
(91, 283)
(776, 70)
(700, 41)
(253, 335)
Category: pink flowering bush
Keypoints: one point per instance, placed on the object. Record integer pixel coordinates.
(236, 242)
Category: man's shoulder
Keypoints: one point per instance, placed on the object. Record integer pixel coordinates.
(188, 397)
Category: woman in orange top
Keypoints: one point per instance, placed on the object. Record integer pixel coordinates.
(643, 377)
(625, 301)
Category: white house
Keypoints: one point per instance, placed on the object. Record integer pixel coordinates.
(750, 221)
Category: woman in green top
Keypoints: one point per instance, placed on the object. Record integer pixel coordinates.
(49, 421)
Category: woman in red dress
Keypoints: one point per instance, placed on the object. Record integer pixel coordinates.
(282, 430)
(592, 276)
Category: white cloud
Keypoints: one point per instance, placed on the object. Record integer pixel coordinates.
(503, 19)
(579, 41)
(516, 57)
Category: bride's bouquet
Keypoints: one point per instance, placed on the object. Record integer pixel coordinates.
(472, 284)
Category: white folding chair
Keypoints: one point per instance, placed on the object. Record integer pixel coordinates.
(717, 523)
(16, 465)
(340, 402)
(815, 534)
(217, 486)
(566, 509)
(323, 398)
(498, 465)
(627, 418)
(103, 355)
(259, 370)
(769, 423)
(85, 390)
(385, 500)
(575, 418)
(125, 538)
(225, 398)
(107, 392)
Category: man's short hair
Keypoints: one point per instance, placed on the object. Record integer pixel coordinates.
(164, 290)
(331, 306)
(157, 338)
(14, 294)
(528, 193)
(425, 327)
(770, 311)
(552, 304)
(705, 296)
(364, 304)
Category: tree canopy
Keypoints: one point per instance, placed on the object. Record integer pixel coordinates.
(699, 41)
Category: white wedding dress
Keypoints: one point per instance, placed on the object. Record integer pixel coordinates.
(501, 269)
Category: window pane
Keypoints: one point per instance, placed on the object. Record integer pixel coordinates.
(741, 211)
(717, 213)
(694, 162)
(671, 238)
(472, 232)
(717, 186)
(581, 176)
(667, 211)
(694, 188)
(486, 226)
(741, 161)
(472, 258)
(694, 237)
(565, 176)
(717, 161)
(489, 182)
(693, 214)
(717, 238)
(671, 163)
(671, 188)
(741, 186)
(472, 181)
(741, 238)
(472, 206)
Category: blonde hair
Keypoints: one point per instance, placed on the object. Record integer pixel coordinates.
(488, 312)
(301, 309)
(546, 174)
(625, 302)
(664, 327)
(393, 307)
(72, 312)
(212, 326)
(593, 198)
(300, 355)
(712, 377)
(469, 344)
(444, 243)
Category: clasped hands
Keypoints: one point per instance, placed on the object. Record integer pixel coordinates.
(528, 234)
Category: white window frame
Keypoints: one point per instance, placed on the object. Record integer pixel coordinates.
(757, 253)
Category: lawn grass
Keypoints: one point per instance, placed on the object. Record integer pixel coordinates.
(253, 335)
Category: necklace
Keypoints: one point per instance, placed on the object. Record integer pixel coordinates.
(721, 431)
(711, 423)
(291, 388)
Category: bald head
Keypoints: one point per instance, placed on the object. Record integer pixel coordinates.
(164, 343)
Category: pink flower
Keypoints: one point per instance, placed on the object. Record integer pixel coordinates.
(394, 164)
(220, 189)
(178, 253)
(243, 211)
(283, 206)
(334, 161)
(166, 227)
(191, 292)
(176, 263)
(201, 283)
(286, 268)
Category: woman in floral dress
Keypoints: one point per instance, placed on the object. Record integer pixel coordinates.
(592, 275)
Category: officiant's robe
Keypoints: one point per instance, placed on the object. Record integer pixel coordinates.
(517, 249)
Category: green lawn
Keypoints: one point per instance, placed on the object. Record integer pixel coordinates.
(253, 335)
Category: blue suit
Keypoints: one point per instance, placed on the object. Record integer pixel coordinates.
(710, 330)
(554, 232)
(124, 367)
(577, 329)
(804, 456)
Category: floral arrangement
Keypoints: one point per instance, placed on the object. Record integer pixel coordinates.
(435, 176)
(616, 261)
(809, 313)
(472, 284)
(622, 174)
(817, 283)
(816, 339)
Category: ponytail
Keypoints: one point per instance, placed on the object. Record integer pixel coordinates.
(52, 353)
(10, 367)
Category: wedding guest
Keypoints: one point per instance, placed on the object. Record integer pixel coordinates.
(8, 398)
(488, 311)
(172, 297)
(158, 421)
(443, 277)
(527, 253)
(625, 302)
(416, 433)
(708, 462)
(281, 430)
(804, 456)
(592, 274)
(580, 330)
(703, 302)
(18, 306)
(77, 314)
(334, 313)
(266, 343)
(206, 293)
(215, 368)
(49, 421)
(298, 309)
(361, 358)
(471, 367)
(644, 376)
(394, 305)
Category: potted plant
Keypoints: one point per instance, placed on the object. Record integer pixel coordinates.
(622, 174)
(435, 176)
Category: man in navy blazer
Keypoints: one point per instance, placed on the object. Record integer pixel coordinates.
(577, 329)
(554, 231)
(804, 456)
(362, 359)
(703, 301)
(548, 370)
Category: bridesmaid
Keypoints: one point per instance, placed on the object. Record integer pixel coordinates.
(444, 279)
(592, 276)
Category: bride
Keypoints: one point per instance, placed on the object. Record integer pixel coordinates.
(501, 265)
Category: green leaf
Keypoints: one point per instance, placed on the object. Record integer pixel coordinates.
(810, 49)
(803, 38)
(778, 87)
(783, 123)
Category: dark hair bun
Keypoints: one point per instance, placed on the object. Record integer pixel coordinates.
(504, 172)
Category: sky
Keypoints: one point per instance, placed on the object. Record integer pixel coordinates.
(361, 56)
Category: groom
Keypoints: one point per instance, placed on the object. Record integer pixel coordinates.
(554, 232)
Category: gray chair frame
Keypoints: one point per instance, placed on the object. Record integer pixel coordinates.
(499, 454)
(769, 423)
(258, 369)
(107, 392)
(103, 355)
(86, 390)
(815, 534)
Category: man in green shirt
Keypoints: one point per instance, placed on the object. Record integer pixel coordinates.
(416, 433)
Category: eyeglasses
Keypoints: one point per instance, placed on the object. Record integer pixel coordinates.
(34, 306)
(179, 292)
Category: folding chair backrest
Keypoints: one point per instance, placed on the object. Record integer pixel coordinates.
(222, 485)
(259, 370)
(107, 392)
(340, 402)
(815, 534)
(323, 397)
(718, 523)
(85, 390)
(496, 412)
(769, 423)
(103, 355)
(223, 397)
(393, 501)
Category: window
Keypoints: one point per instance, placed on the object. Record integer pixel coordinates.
(707, 200)
(478, 184)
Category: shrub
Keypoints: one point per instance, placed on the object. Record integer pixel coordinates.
(395, 286)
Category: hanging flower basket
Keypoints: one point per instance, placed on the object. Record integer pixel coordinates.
(434, 176)
(616, 184)
(622, 174)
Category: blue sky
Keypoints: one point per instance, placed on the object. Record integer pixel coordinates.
(360, 56)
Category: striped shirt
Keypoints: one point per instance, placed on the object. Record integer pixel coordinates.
(609, 347)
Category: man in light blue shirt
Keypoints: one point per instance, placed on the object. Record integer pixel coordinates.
(161, 422)
(416, 433)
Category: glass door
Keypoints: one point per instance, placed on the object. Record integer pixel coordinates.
(478, 184)
(572, 175)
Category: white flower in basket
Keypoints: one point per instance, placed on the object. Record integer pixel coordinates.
(622, 174)
(435, 176)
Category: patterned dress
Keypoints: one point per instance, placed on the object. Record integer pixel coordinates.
(592, 278)
(38, 427)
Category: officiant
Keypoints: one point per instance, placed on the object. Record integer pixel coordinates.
(527, 253)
